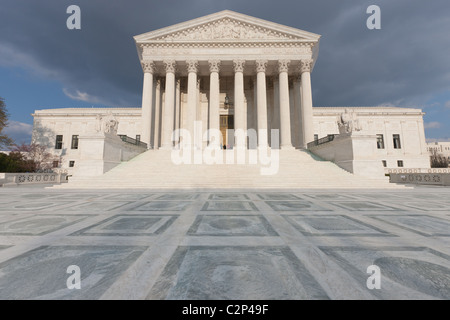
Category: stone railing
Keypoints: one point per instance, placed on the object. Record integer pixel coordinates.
(14, 179)
(132, 141)
(438, 179)
(416, 170)
(321, 141)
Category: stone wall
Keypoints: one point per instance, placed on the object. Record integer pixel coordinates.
(437, 179)
(385, 121)
(100, 152)
(78, 121)
(16, 179)
(352, 152)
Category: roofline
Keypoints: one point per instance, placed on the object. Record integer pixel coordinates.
(374, 109)
(224, 14)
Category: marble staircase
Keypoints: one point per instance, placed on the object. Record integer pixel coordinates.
(297, 169)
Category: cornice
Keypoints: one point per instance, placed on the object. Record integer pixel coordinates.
(397, 111)
(82, 115)
(227, 44)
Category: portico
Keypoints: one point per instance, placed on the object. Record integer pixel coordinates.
(227, 68)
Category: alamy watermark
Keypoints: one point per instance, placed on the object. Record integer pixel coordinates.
(374, 21)
(74, 20)
(74, 281)
(189, 149)
(374, 281)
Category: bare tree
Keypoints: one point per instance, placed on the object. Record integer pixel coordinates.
(5, 141)
(37, 154)
(437, 160)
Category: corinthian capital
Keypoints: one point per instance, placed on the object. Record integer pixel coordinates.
(170, 66)
(261, 65)
(283, 65)
(214, 65)
(238, 65)
(148, 66)
(305, 65)
(192, 66)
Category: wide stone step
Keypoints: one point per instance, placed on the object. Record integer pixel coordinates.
(297, 169)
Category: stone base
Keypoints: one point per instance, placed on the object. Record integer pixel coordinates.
(354, 153)
(100, 152)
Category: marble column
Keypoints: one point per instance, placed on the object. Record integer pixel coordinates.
(285, 114)
(297, 112)
(307, 106)
(275, 122)
(214, 98)
(192, 68)
(147, 99)
(177, 110)
(261, 102)
(169, 105)
(293, 114)
(158, 115)
(239, 111)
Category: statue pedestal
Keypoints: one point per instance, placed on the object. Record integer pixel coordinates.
(100, 152)
(354, 152)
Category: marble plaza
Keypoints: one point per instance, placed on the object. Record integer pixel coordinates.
(222, 244)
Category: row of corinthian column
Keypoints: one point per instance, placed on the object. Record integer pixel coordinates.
(302, 90)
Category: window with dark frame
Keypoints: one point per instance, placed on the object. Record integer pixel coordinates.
(71, 164)
(59, 141)
(74, 142)
(55, 164)
(384, 163)
(380, 141)
(316, 137)
(396, 140)
(400, 163)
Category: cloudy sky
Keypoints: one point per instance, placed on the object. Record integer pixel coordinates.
(45, 65)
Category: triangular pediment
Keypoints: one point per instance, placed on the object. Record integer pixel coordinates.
(226, 26)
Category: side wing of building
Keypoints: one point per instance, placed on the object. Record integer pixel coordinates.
(60, 129)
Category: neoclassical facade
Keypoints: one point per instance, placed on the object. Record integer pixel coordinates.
(231, 81)
(227, 71)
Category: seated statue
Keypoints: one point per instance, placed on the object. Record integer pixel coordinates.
(107, 124)
(348, 122)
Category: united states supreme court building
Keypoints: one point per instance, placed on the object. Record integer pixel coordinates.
(232, 82)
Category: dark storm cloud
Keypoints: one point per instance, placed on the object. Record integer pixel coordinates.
(404, 63)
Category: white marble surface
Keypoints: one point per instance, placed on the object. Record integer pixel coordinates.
(153, 244)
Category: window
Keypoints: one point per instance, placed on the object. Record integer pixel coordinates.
(384, 163)
(396, 138)
(400, 163)
(74, 142)
(380, 141)
(316, 137)
(55, 164)
(138, 138)
(71, 164)
(59, 141)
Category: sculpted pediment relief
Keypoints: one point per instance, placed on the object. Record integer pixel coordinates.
(227, 29)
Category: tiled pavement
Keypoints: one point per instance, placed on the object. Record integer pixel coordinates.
(240, 244)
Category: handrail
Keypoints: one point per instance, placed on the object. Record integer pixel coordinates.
(132, 141)
(320, 141)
